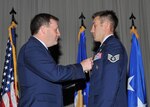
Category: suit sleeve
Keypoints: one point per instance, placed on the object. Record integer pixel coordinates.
(113, 58)
(42, 64)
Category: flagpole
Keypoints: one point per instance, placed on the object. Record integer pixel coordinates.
(132, 18)
(83, 27)
(9, 90)
(12, 13)
(136, 82)
(82, 87)
(13, 26)
(82, 17)
(133, 27)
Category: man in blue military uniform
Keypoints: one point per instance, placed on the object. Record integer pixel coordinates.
(108, 76)
(40, 78)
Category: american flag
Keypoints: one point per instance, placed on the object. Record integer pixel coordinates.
(9, 90)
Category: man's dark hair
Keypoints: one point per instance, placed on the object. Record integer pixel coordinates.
(110, 15)
(39, 20)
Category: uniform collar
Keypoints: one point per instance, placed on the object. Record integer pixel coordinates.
(104, 41)
(41, 42)
(105, 38)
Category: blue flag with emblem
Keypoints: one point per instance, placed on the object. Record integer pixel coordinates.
(81, 96)
(136, 80)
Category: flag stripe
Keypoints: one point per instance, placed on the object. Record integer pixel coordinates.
(5, 98)
(13, 96)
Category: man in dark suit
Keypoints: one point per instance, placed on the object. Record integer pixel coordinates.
(40, 78)
(108, 76)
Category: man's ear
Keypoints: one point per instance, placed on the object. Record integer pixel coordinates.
(42, 29)
(107, 24)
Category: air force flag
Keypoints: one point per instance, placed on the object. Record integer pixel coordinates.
(136, 81)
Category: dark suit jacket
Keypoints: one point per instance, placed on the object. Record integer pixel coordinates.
(40, 77)
(108, 77)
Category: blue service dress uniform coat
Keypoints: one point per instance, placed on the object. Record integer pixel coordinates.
(108, 76)
(40, 77)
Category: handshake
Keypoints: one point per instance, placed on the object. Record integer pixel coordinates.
(87, 64)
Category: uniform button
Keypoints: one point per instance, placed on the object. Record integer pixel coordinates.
(96, 66)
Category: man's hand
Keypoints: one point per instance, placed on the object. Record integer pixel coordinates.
(87, 64)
